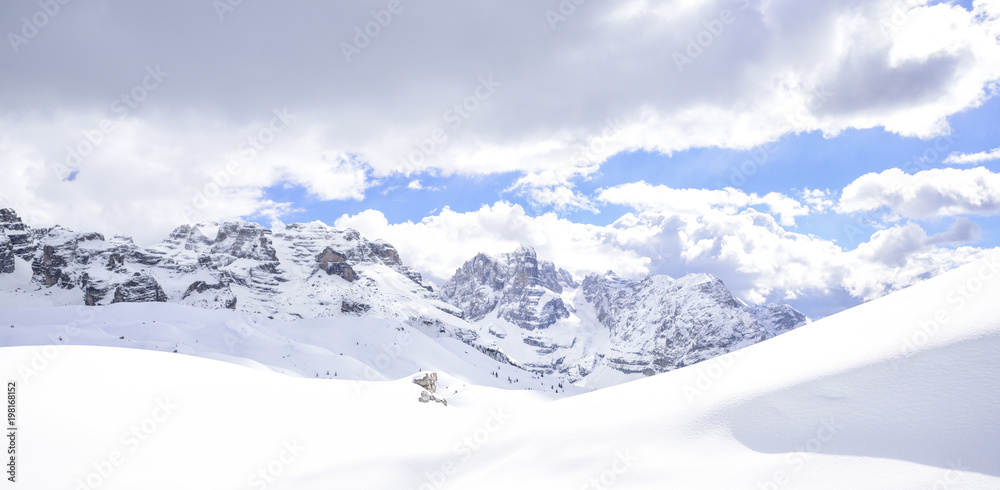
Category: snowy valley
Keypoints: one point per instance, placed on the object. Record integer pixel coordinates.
(293, 353)
(901, 392)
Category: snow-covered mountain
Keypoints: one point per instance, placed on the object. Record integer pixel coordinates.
(911, 405)
(516, 309)
(605, 329)
(302, 271)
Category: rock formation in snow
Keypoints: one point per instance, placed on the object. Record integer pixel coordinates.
(538, 315)
(515, 308)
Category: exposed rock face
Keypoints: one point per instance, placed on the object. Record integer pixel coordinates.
(20, 235)
(517, 309)
(6, 255)
(779, 318)
(523, 290)
(632, 327)
(390, 257)
(68, 259)
(429, 383)
(426, 397)
(661, 324)
(237, 264)
(142, 288)
(203, 294)
(335, 264)
(336, 251)
(243, 240)
(352, 307)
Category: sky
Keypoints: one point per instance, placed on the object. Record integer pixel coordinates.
(819, 153)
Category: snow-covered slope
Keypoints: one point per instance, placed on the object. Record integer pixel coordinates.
(353, 348)
(607, 329)
(901, 392)
(517, 309)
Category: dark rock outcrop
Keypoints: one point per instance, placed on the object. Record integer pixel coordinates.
(141, 288)
(218, 293)
(21, 237)
(353, 307)
(7, 256)
(207, 265)
(334, 263)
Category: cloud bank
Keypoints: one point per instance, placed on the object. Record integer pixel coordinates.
(445, 88)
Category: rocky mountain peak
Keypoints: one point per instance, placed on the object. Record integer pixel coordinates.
(652, 325)
(779, 318)
(524, 290)
(218, 265)
(20, 235)
(244, 240)
(514, 307)
(310, 241)
(191, 237)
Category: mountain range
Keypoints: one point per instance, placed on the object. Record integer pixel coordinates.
(594, 331)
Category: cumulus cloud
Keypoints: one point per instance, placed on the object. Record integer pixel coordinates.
(755, 256)
(818, 200)
(321, 95)
(440, 244)
(969, 158)
(560, 198)
(457, 87)
(645, 197)
(961, 232)
(925, 194)
(144, 182)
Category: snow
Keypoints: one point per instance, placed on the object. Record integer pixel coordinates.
(901, 392)
(356, 348)
(20, 278)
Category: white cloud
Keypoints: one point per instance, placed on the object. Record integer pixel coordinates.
(818, 200)
(925, 194)
(645, 197)
(560, 198)
(757, 258)
(969, 158)
(416, 185)
(961, 232)
(143, 182)
(431, 95)
(552, 113)
(440, 244)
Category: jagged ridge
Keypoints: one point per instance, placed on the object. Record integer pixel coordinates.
(516, 308)
(538, 315)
